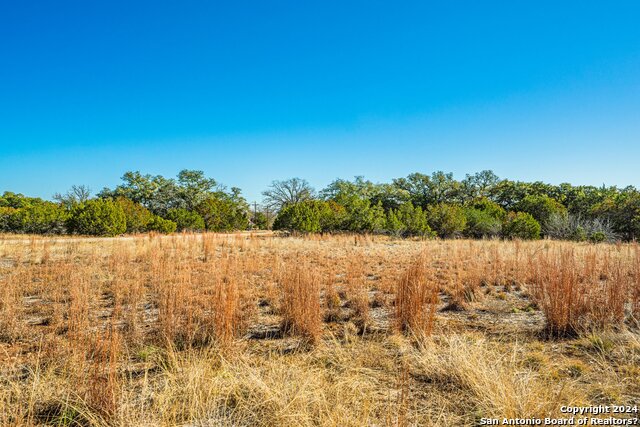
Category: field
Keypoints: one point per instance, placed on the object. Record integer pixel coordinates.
(207, 330)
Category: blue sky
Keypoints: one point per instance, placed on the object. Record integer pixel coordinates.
(255, 91)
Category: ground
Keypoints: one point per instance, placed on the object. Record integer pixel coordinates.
(259, 329)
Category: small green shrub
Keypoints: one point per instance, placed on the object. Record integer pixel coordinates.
(414, 220)
(446, 220)
(161, 225)
(223, 214)
(98, 217)
(39, 218)
(260, 221)
(541, 207)
(489, 207)
(481, 224)
(7, 218)
(521, 225)
(186, 220)
(137, 216)
(393, 225)
(302, 216)
(597, 237)
(311, 216)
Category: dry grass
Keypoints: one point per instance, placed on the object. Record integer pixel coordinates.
(320, 330)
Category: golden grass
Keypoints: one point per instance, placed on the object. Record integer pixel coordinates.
(321, 330)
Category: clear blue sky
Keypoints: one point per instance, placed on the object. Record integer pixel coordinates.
(255, 91)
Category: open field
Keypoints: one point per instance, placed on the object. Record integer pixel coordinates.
(207, 330)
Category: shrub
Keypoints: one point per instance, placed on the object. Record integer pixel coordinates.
(221, 213)
(571, 227)
(446, 219)
(481, 224)
(98, 217)
(332, 216)
(39, 218)
(541, 207)
(414, 220)
(302, 216)
(7, 218)
(491, 208)
(393, 225)
(260, 221)
(362, 216)
(623, 212)
(161, 225)
(137, 216)
(186, 220)
(521, 225)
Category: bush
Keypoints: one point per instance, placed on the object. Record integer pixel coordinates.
(98, 218)
(571, 227)
(223, 214)
(481, 224)
(521, 225)
(302, 216)
(447, 220)
(361, 216)
(260, 221)
(541, 207)
(186, 220)
(7, 216)
(161, 225)
(137, 216)
(310, 216)
(39, 218)
(393, 225)
(491, 208)
(413, 220)
(332, 215)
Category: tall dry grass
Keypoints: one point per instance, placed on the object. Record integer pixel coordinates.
(300, 303)
(416, 298)
(154, 329)
(582, 290)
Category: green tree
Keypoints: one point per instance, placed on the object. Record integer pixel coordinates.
(447, 220)
(388, 195)
(222, 213)
(40, 218)
(623, 211)
(481, 224)
(393, 225)
(194, 188)
(361, 216)
(186, 220)
(479, 185)
(7, 219)
(414, 220)
(259, 220)
(310, 216)
(161, 225)
(302, 216)
(541, 207)
(426, 190)
(521, 225)
(98, 217)
(490, 207)
(137, 216)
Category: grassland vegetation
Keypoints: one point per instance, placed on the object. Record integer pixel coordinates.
(257, 329)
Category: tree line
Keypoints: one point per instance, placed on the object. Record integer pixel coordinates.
(479, 206)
